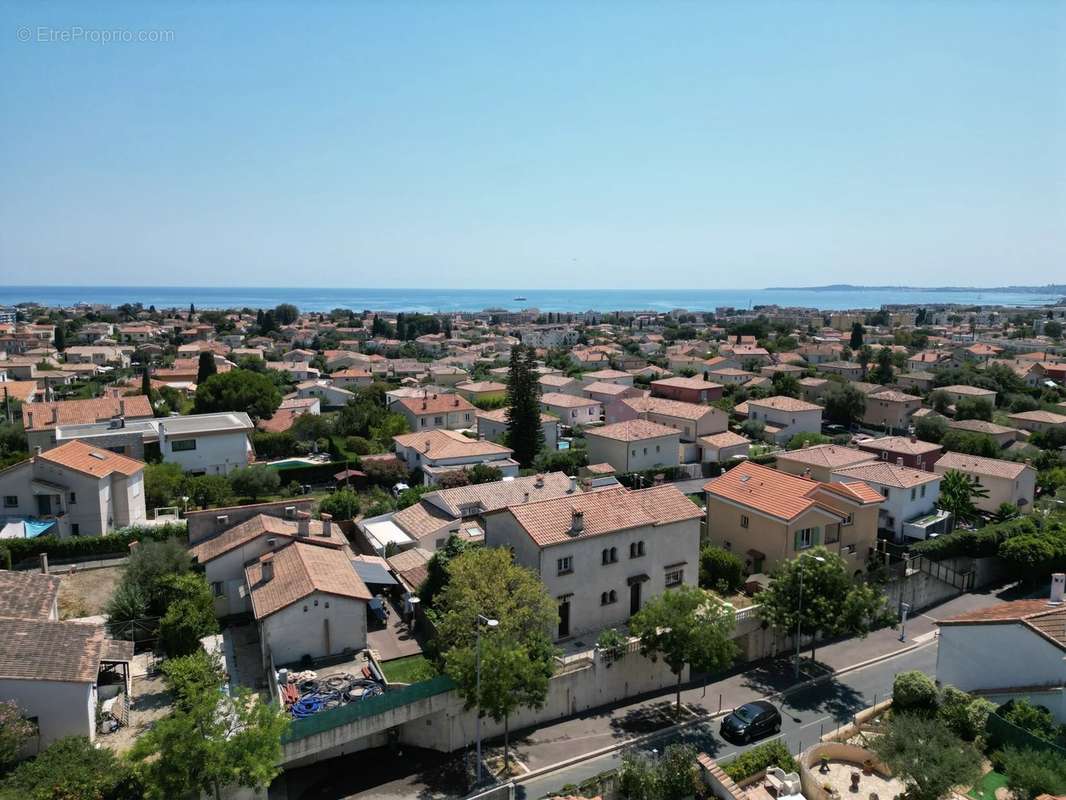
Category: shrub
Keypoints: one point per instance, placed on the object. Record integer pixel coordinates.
(359, 445)
(720, 569)
(73, 768)
(963, 713)
(254, 481)
(768, 754)
(1035, 719)
(914, 691)
(184, 625)
(15, 730)
(91, 546)
(342, 504)
(1031, 773)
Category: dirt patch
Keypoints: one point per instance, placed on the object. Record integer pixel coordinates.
(84, 593)
(151, 702)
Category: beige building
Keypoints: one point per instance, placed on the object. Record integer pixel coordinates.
(634, 446)
(432, 411)
(766, 516)
(85, 490)
(1005, 481)
(890, 409)
(961, 392)
(1039, 421)
(820, 460)
(572, 410)
(721, 448)
(784, 417)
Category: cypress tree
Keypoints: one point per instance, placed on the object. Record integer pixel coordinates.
(206, 368)
(524, 433)
(146, 383)
(61, 335)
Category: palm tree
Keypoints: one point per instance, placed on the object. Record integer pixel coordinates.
(957, 493)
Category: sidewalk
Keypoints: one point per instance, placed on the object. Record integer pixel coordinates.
(550, 744)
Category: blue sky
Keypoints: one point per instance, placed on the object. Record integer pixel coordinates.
(542, 144)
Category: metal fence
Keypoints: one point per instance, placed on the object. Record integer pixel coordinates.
(1002, 733)
(342, 715)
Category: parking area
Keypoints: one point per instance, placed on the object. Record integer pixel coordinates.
(395, 639)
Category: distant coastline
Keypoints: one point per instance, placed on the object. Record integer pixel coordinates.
(1051, 288)
(826, 298)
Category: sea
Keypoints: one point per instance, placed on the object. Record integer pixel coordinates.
(565, 300)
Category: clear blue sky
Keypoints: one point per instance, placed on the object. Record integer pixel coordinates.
(540, 144)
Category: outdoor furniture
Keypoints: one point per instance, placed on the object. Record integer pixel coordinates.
(855, 778)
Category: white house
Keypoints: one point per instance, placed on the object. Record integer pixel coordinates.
(602, 554)
(436, 452)
(634, 445)
(224, 555)
(55, 672)
(492, 425)
(572, 410)
(203, 444)
(909, 509)
(1008, 651)
(84, 490)
(784, 417)
(308, 602)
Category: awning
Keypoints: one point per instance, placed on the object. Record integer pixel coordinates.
(373, 573)
(636, 579)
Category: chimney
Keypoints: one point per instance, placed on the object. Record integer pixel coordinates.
(122, 408)
(577, 522)
(55, 415)
(303, 524)
(327, 524)
(44, 563)
(266, 563)
(539, 482)
(29, 417)
(899, 461)
(573, 485)
(914, 438)
(1058, 587)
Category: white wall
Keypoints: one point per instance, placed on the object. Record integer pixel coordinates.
(997, 657)
(292, 632)
(62, 708)
(215, 454)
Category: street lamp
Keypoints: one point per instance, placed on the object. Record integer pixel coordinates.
(799, 613)
(490, 624)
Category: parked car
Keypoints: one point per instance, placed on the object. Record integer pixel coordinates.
(379, 610)
(751, 721)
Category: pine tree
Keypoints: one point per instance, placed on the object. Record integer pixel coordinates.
(61, 335)
(192, 310)
(524, 433)
(206, 368)
(146, 383)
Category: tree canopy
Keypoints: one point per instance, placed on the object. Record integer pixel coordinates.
(238, 390)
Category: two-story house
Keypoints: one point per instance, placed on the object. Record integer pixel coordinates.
(890, 409)
(436, 452)
(784, 417)
(909, 509)
(602, 554)
(1005, 481)
(909, 451)
(766, 516)
(432, 411)
(692, 421)
(634, 445)
(572, 410)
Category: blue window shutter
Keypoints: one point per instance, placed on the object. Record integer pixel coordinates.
(816, 536)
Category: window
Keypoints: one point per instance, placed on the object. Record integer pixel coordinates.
(438, 420)
(888, 494)
(610, 555)
(75, 529)
(914, 493)
(182, 444)
(11, 501)
(804, 538)
(72, 498)
(564, 565)
(850, 519)
(467, 417)
(674, 577)
(636, 549)
(923, 490)
(850, 550)
(656, 448)
(606, 598)
(743, 520)
(216, 587)
(884, 455)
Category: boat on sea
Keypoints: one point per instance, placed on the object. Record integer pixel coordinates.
(520, 298)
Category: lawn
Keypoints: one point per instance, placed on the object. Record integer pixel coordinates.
(409, 669)
(985, 789)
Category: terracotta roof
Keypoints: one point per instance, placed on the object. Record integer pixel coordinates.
(602, 468)
(887, 474)
(500, 415)
(566, 400)
(826, 455)
(1048, 417)
(980, 426)
(482, 386)
(994, 467)
(599, 387)
(893, 396)
(769, 491)
(46, 650)
(856, 491)
(686, 383)
(783, 403)
(555, 380)
(19, 390)
(439, 443)
(299, 570)
(606, 374)
(971, 391)
(1039, 615)
(549, 521)
(422, 519)
(262, 525)
(411, 565)
(27, 595)
(79, 412)
(724, 439)
(633, 430)
(669, 408)
(900, 444)
(435, 404)
(498, 494)
(80, 457)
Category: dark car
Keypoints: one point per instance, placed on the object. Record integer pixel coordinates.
(752, 721)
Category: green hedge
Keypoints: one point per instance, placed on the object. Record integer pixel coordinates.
(980, 543)
(314, 473)
(770, 754)
(87, 546)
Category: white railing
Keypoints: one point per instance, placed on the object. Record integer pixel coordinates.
(742, 614)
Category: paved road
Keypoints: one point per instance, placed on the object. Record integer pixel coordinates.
(806, 714)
